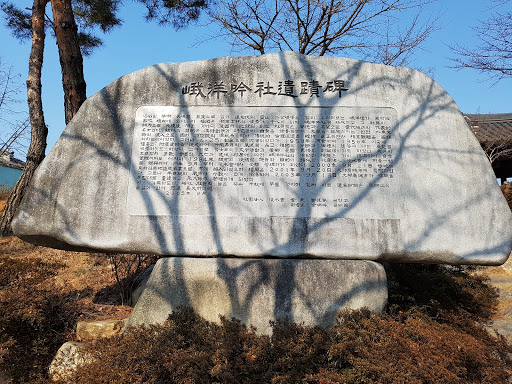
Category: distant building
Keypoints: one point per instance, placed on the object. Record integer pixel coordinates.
(10, 170)
(494, 132)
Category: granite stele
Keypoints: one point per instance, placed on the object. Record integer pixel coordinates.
(281, 155)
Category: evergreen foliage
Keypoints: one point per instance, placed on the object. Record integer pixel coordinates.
(178, 13)
(18, 21)
(89, 16)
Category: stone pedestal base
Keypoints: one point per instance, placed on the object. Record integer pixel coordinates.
(257, 291)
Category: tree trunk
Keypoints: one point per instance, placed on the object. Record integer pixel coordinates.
(71, 61)
(37, 147)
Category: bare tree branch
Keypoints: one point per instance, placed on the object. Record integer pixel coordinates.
(497, 151)
(493, 54)
(320, 27)
(14, 123)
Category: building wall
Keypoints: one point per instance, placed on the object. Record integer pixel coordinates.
(8, 177)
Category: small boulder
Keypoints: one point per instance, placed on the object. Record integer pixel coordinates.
(92, 330)
(68, 358)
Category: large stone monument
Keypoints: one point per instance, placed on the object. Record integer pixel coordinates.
(264, 166)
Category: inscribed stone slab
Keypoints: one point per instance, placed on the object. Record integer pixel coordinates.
(280, 155)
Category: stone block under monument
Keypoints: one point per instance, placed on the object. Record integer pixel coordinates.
(279, 162)
(257, 291)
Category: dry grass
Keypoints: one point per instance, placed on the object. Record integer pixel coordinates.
(43, 294)
(2, 203)
(79, 272)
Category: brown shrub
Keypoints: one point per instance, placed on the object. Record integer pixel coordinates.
(376, 348)
(186, 349)
(431, 333)
(297, 351)
(126, 268)
(34, 322)
(506, 188)
(364, 347)
(446, 294)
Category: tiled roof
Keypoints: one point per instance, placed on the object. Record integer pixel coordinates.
(491, 129)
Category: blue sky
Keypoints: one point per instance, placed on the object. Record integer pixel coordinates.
(137, 44)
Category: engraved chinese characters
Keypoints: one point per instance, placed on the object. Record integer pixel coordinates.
(295, 161)
(264, 88)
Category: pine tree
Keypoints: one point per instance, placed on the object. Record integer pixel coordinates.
(25, 24)
(73, 25)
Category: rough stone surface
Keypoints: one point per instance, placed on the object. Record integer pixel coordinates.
(250, 156)
(91, 330)
(257, 291)
(502, 327)
(67, 359)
